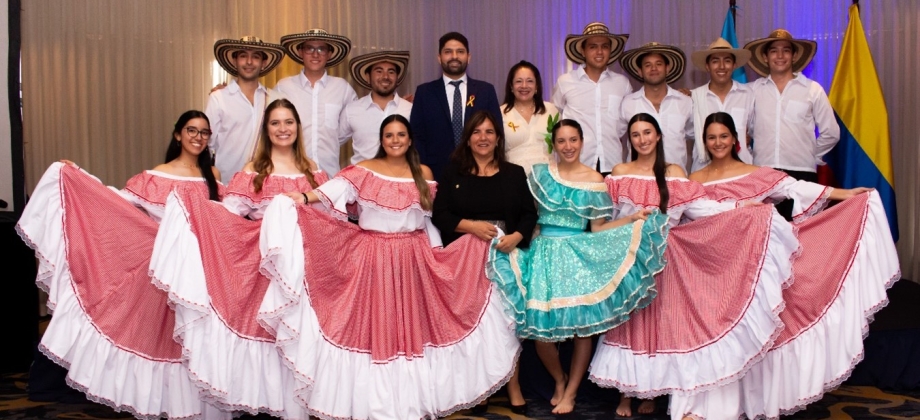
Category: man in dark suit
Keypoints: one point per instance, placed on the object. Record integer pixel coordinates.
(442, 106)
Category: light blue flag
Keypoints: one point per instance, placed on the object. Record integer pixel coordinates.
(728, 33)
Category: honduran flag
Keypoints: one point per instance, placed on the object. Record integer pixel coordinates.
(862, 158)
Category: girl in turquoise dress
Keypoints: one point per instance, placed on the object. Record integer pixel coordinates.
(573, 283)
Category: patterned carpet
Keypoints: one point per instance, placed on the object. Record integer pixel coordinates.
(845, 403)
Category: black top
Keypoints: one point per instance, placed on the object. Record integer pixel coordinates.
(503, 196)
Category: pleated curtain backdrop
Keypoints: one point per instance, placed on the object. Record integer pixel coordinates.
(104, 80)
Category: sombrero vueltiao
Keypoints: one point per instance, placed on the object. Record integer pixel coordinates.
(805, 50)
(720, 45)
(340, 45)
(224, 49)
(674, 56)
(574, 44)
(360, 65)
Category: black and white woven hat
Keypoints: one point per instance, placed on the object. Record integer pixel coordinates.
(340, 45)
(224, 49)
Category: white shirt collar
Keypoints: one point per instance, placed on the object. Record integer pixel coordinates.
(234, 87)
(447, 80)
(369, 100)
(306, 82)
(796, 78)
(671, 92)
(582, 74)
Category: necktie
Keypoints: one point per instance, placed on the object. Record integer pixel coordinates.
(456, 116)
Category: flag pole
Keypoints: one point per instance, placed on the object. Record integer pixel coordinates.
(732, 4)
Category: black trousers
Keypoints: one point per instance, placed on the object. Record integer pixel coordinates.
(785, 207)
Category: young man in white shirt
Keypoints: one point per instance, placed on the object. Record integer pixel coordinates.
(591, 94)
(318, 97)
(788, 107)
(235, 112)
(721, 94)
(380, 72)
(656, 66)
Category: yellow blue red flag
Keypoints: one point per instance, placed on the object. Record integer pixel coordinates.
(862, 158)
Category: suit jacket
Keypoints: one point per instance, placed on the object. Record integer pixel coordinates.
(432, 132)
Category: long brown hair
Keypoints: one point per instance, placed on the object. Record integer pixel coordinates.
(660, 166)
(262, 156)
(729, 123)
(463, 155)
(204, 159)
(412, 158)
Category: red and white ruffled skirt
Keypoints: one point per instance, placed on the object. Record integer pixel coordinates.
(112, 328)
(717, 309)
(380, 325)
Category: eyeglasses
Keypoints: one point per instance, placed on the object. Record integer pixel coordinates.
(192, 132)
(309, 49)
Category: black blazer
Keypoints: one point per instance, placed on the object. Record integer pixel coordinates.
(432, 131)
(514, 195)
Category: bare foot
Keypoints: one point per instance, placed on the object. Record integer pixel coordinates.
(647, 407)
(560, 391)
(625, 407)
(566, 405)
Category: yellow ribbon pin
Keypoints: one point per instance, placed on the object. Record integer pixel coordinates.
(513, 127)
(469, 102)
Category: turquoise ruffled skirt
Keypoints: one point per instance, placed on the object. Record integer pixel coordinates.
(574, 283)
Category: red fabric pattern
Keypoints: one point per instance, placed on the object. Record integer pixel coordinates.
(109, 243)
(229, 247)
(391, 294)
(822, 267)
(755, 186)
(154, 189)
(700, 300)
(638, 191)
(382, 193)
(241, 185)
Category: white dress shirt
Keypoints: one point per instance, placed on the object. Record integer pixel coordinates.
(673, 116)
(320, 109)
(235, 125)
(595, 106)
(739, 103)
(449, 89)
(361, 122)
(784, 124)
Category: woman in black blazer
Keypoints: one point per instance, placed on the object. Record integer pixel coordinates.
(479, 193)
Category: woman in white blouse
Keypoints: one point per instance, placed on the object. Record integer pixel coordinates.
(526, 117)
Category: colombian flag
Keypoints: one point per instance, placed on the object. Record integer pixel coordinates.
(862, 158)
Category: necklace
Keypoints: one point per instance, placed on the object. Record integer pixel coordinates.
(526, 111)
(185, 165)
(393, 172)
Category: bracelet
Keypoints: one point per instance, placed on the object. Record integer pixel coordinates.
(305, 199)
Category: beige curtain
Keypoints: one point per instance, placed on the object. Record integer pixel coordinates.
(104, 80)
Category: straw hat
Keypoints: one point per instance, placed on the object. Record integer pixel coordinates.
(674, 56)
(224, 49)
(805, 50)
(340, 45)
(574, 44)
(360, 65)
(720, 45)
